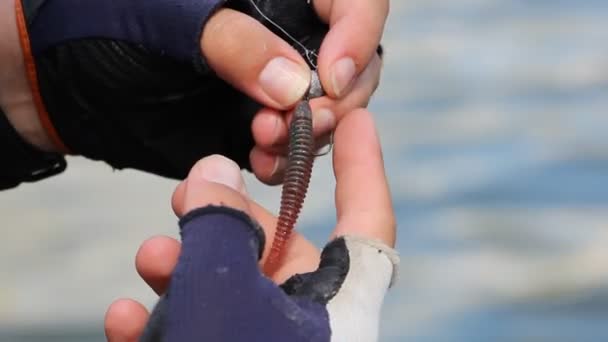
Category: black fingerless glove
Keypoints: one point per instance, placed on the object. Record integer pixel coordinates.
(125, 82)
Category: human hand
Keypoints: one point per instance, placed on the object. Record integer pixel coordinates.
(139, 84)
(366, 226)
(349, 66)
(150, 91)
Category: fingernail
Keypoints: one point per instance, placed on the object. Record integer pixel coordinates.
(276, 132)
(219, 169)
(279, 166)
(284, 81)
(342, 74)
(324, 120)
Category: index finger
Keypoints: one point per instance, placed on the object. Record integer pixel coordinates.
(356, 28)
(363, 200)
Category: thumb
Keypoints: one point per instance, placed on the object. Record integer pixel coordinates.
(213, 172)
(254, 60)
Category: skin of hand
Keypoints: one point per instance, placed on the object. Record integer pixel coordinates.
(273, 73)
(348, 66)
(363, 207)
(15, 95)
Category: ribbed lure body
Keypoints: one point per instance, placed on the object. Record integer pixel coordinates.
(300, 158)
(297, 177)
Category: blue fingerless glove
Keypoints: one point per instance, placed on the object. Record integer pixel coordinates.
(218, 293)
(164, 27)
(124, 81)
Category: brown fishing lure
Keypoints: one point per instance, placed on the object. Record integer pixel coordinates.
(300, 158)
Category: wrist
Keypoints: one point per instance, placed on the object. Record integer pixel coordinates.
(16, 100)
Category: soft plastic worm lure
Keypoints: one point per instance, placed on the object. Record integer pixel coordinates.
(300, 158)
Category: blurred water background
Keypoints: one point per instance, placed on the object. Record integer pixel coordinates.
(493, 120)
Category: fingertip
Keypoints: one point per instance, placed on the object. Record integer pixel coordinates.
(342, 75)
(268, 167)
(363, 199)
(270, 131)
(216, 169)
(125, 320)
(323, 122)
(268, 128)
(357, 148)
(155, 261)
(356, 28)
(358, 124)
(215, 180)
(177, 199)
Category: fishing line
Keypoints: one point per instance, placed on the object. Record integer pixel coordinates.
(308, 52)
